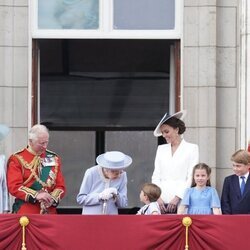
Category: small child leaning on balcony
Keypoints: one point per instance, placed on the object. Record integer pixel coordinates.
(149, 195)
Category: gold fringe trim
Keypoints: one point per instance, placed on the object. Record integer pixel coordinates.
(56, 194)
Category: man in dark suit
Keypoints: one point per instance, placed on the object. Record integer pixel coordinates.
(235, 197)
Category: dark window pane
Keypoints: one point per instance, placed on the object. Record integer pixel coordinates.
(141, 146)
(92, 89)
(100, 102)
(77, 152)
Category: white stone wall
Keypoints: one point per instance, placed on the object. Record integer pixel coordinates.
(14, 72)
(244, 72)
(199, 76)
(228, 127)
(210, 81)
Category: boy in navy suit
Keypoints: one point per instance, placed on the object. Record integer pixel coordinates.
(235, 197)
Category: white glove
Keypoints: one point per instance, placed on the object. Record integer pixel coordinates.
(112, 190)
(105, 195)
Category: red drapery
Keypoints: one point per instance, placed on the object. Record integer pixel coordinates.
(70, 232)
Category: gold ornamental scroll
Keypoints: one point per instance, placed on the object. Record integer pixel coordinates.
(186, 221)
(24, 221)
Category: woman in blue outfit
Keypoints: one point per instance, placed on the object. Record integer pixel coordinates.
(104, 186)
(201, 198)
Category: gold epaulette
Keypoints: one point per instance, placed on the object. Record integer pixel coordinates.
(19, 151)
(51, 152)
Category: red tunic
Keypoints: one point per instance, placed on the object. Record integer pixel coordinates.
(27, 174)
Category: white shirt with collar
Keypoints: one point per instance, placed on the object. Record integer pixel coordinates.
(246, 177)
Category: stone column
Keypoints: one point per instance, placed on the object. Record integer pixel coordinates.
(14, 72)
(244, 73)
(199, 76)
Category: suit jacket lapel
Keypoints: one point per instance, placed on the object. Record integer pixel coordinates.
(236, 185)
(247, 187)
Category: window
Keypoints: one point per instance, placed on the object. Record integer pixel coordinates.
(144, 15)
(68, 14)
(106, 18)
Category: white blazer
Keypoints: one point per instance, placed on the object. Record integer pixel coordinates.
(173, 173)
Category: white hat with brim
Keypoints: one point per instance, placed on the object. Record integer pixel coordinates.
(4, 130)
(179, 115)
(114, 160)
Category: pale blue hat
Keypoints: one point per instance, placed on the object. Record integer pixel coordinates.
(114, 160)
(4, 130)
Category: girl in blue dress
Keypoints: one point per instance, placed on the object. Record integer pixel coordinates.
(201, 198)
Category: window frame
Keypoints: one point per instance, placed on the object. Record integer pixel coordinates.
(105, 26)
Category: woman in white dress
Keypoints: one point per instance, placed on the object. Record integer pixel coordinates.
(4, 197)
(174, 161)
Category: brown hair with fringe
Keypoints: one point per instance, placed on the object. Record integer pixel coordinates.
(201, 166)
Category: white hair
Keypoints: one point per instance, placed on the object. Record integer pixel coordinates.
(36, 130)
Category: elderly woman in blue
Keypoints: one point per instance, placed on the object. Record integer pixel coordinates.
(104, 186)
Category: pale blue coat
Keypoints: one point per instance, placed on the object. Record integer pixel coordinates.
(94, 182)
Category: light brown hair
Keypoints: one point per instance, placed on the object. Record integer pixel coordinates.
(241, 156)
(152, 191)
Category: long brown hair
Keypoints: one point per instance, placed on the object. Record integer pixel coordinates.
(201, 166)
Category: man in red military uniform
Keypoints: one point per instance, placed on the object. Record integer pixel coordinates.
(34, 176)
